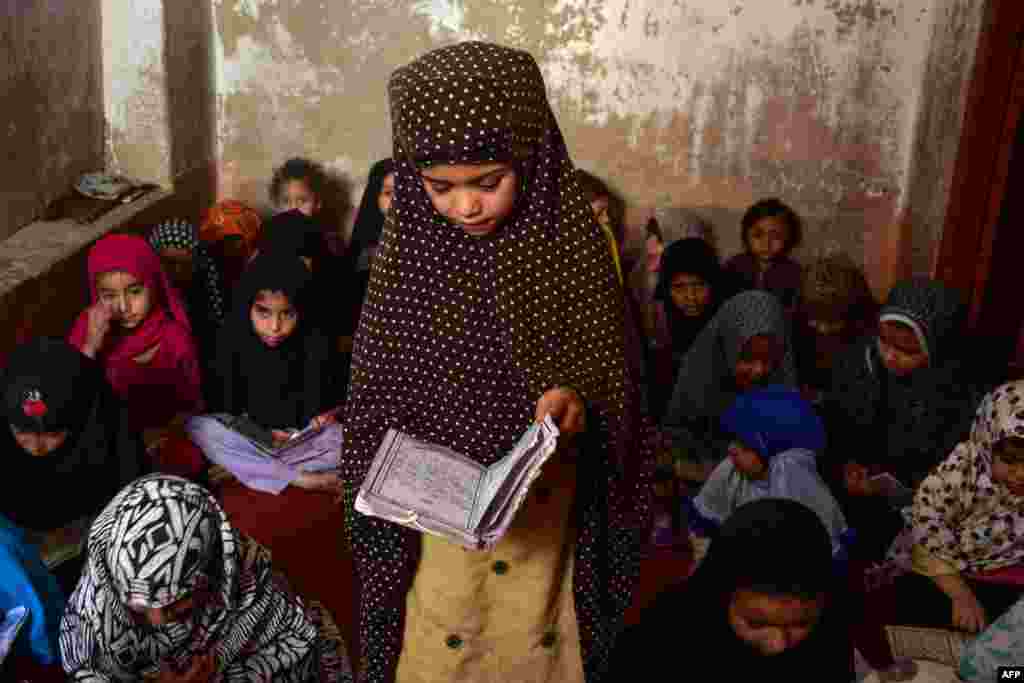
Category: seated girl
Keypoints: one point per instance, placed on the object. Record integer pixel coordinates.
(367, 231)
(764, 602)
(900, 401)
(691, 287)
(193, 270)
(172, 591)
(776, 441)
(836, 309)
(771, 230)
(968, 523)
(609, 211)
(744, 345)
(231, 230)
(28, 585)
(139, 332)
(66, 447)
(270, 366)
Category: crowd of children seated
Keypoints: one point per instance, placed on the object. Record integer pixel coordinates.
(487, 284)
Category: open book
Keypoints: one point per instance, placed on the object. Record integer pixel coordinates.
(262, 438)
(438, 491)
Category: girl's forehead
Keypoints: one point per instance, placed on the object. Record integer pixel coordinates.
(117, 279)
(462, 173)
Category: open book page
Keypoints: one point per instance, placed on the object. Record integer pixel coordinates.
(429, 480)
(506, 477)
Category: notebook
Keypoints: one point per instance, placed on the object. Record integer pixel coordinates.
(261, 438)
(437, 491)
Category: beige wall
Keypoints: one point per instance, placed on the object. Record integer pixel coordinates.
(849, 110)
(52, 124)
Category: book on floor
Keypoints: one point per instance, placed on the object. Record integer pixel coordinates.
(438, 491)
(262, 438)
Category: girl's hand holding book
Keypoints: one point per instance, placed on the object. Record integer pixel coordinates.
(565, 408)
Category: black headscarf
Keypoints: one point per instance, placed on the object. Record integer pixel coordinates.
(370, 221)
(693, 256)
(282, 387)
(770, 545)
(99, 455)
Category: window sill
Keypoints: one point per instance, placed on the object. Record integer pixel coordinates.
(35, 249)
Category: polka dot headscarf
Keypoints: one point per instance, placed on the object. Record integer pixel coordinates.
(459, 336)
(180, 234)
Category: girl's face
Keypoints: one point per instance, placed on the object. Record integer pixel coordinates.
(767, 238)
(758, 359)
(274, 319)
(387, 192)
(691, 294)
(296, 194)
(1008, 467)
(747, 462)
(900, 349)
(475, 197)
(39, 444)
(772, 624)
(129, 299)
(177, 264)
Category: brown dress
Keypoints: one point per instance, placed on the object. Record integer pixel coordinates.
(451, 633)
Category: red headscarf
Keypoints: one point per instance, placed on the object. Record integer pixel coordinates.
(132, 254)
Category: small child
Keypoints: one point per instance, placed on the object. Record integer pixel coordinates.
(836, 308)
(771, 230)
(777, 437)
(299, 184)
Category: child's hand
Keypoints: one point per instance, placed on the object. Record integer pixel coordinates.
(857, 481)
(100, 316)
(566, 409)
(968, 614)
(324, 419)
(280, 437)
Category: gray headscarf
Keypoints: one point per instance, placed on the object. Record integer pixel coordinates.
(703, 386)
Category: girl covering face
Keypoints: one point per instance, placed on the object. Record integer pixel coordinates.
(137, 328)
(491, 238)
(171, 589)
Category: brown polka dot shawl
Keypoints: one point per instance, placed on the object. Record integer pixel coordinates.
(460, 336)
(961, 515)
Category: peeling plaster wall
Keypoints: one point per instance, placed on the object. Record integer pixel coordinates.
(51, 80)
(705, 104)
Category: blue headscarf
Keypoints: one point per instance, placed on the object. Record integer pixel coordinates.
(773, 420)
(26, 582)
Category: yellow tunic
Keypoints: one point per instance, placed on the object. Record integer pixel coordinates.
(503, 616)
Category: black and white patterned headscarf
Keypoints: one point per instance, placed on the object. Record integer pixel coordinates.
(163, 539)
(180, 234)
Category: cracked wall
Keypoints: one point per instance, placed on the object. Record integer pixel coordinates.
(699, 104)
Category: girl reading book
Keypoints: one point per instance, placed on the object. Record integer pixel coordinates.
(493, 301)
(172, 592)
(270, 364)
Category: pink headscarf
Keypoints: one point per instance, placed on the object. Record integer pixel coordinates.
(132, 254)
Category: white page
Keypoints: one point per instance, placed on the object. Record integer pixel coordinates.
(427, 481)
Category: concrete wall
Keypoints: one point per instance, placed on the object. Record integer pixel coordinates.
(849, 109)
(51, 79)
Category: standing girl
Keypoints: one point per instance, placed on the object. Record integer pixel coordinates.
(494, 301)
(138, 330)
(270, 365)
